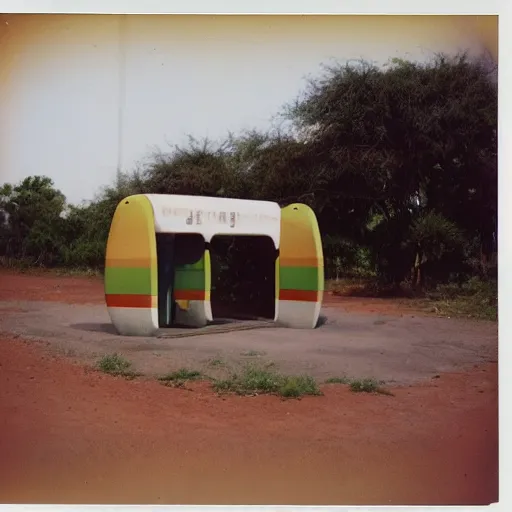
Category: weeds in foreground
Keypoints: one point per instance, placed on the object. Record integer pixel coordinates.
(254, 381)
(116, 365)
(361, 385)
(178, 378)
(216, 362)
(367, 386)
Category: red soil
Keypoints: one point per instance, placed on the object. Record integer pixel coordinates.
(69, 434)
(391, 306)
(46, 286)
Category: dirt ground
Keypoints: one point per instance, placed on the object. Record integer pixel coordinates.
(69, 434)
(376, 340)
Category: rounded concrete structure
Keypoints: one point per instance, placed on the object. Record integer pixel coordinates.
(162, 241)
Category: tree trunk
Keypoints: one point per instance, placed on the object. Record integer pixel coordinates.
(416, 271)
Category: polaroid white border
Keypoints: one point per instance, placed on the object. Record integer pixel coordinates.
(300, 7)
(252, 7)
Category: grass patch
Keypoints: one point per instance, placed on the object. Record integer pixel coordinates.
(368, 386)
(297, 386)
(216, 362)
(475, 299)
(254, 381)
(179, 377)
(364, 385)
(252, 353)
(116, 365)
(360, 385)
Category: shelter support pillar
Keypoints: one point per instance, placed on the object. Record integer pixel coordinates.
(131, 269)
(301, 268)
(192, 287)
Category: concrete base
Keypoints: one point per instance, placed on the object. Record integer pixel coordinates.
(134, 321)
(298, 314)
(197, 314)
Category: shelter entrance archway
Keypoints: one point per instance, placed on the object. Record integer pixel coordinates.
(243, 277)
(180, 273)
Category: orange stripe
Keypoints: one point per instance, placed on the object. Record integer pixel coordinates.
(131, 301)
(290, 261)
(189, 295)
(299, 295)
(130, 262)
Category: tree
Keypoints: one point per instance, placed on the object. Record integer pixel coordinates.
(399, 164)
(32, 220)
(401, 142)
(199, 169)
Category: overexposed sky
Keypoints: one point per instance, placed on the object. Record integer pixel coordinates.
(64, 79)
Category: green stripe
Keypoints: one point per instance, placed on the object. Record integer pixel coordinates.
(130, 281)
(198, 265)
(187, 279)
(301, 278)
(191, 276)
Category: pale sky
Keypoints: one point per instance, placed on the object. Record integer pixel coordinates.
(62, 80)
